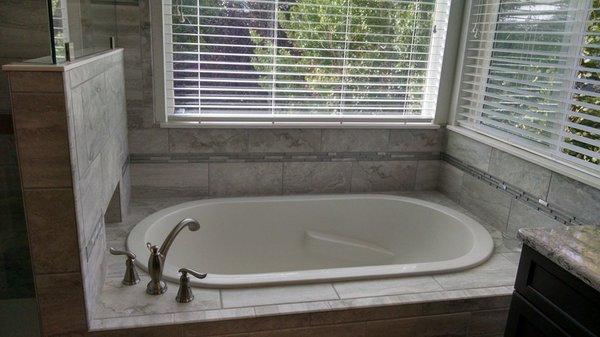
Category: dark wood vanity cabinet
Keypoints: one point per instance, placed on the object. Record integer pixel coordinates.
(549, 301)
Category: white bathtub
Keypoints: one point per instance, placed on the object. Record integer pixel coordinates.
(300, 239)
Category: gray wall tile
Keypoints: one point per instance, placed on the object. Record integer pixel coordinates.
(207, 140)
(354, 140)
(468, 150)
(518, 172)
(41, 131)
(88, 196)
(326, 177)
(415, 140)
(371, 176)
(576, 198)
(144, 141)
(238, 179)
(524, 216)
(285, 140)
(172, 179)
(427, 175)
(450, 181)
(486, 202)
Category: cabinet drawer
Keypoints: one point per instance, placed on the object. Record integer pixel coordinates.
(562, 297)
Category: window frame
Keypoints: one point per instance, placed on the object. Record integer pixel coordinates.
(497, 140)
(162, 118)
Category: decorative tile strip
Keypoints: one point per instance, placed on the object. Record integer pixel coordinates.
(529, 199)
(282, 157)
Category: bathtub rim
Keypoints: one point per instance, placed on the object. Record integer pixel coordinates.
(481, 251)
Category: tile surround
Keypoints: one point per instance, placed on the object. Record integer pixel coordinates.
(181, 179)
(384, 287)
(42, 138)
(51, 214)
(323, 177)
(468, 150)
(486, 201)
(374, 176)
(576, 198)
(237, 179)
(208, 140)
(304, 305)
(529, 177)
(300, 140)
(80, 150)
(525, 216)
(275, 295)
(340, 140)
(506, 193)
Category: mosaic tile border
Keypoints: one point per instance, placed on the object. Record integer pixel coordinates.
(282, 157)
(534, 202)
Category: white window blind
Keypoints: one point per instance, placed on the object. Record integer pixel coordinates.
(531, 76)
(303, 61)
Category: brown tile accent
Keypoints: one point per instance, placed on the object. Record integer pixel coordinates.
(454, 325)
(61, 304)
(366, 314)
(464, 305)
(24, 81)
(488, 323)
(52, 230)
(340, 330)
(42, 140)
(167, 331)
(246, 325)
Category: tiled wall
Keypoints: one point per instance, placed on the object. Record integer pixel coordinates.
(270, 162)
(99, 152)
(23, 35)
(475, 317)
(172, 173)
(502, 209)
(72, 144)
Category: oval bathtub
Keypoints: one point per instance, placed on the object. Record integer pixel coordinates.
(300, 239)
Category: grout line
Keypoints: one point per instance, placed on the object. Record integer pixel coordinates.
(282, 173)
(335, 290)
(516, 192)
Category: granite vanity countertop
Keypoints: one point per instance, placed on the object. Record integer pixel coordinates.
(574, 248)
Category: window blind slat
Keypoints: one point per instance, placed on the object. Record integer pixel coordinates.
(270, 57)
(531, 75)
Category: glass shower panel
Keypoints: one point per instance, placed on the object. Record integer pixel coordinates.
(81, 27)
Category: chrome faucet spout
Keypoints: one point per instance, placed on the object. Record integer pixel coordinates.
(192, 224)
(158, 255)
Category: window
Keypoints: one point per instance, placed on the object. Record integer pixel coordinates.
(302, 61)
(531, 76)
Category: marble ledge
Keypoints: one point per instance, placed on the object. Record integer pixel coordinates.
(479, 295)
(574, 248)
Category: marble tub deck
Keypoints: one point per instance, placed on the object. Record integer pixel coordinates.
(120, 307)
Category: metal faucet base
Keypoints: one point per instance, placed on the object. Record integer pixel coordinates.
(156, 288)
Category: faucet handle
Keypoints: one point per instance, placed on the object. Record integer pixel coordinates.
(129, 254)
(184, 294)
(131, 276)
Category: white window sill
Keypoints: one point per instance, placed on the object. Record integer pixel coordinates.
(298, 125)
(572, 171)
